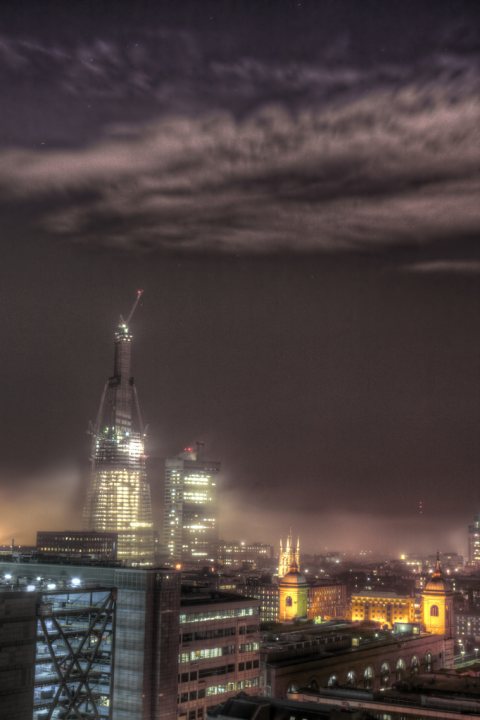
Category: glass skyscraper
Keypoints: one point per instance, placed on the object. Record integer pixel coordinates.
(190, 529)
(118, 498)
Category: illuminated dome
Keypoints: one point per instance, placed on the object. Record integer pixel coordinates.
(294, 577)
(437, 583)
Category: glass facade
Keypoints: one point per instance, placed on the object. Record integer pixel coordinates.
(190, 521)
(74, 655)
(88, 641)
(118, 498)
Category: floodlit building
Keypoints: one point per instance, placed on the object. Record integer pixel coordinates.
(190, 530)
(437, 605)
(292, 595)
(118, 498)
(288, 555)
(384, 607)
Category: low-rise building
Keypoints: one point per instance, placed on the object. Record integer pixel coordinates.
(347, 655)
(240, 554)
(81, 544)
(384, 607)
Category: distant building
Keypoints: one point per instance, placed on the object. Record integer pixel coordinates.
(467, 626)
(382, 607)
(118, 498)
(327, 600)
(334, 655)
(266, 593)
(78, 544)
(219, 652)
(237, 554)
(190, 528)
(293, 595)
(288, 555)
(474, 542)
(437, 605)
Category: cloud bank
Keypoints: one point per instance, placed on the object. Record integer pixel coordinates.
(252, 154)
(390, 168)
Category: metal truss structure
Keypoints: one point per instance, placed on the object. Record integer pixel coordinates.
(74, 655)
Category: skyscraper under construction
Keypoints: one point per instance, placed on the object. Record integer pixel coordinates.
(118, 498)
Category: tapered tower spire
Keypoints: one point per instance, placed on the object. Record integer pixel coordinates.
(118, 497)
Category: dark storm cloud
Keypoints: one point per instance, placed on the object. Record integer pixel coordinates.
(389, 167)
(177, 139)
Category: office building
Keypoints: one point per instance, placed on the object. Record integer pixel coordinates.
(267, 595)
(474, 542)
(219, 649)
(17, 652)
(79, 544)
(88, 641)
(326, 600)
(190, 530)
(253, 555)
(118, 498)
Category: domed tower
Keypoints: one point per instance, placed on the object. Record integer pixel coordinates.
(293, 595)
(437, 604)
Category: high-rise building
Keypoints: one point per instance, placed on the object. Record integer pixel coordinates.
(190, 530)
(474, 542)
(118, 497)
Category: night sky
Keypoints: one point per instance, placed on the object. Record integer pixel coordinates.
(295, 185)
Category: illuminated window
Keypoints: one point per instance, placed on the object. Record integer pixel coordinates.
(289, 601)
(434, 611)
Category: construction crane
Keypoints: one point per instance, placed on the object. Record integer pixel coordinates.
(134, 307)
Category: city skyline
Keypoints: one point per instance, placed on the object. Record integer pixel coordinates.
(303, 218)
